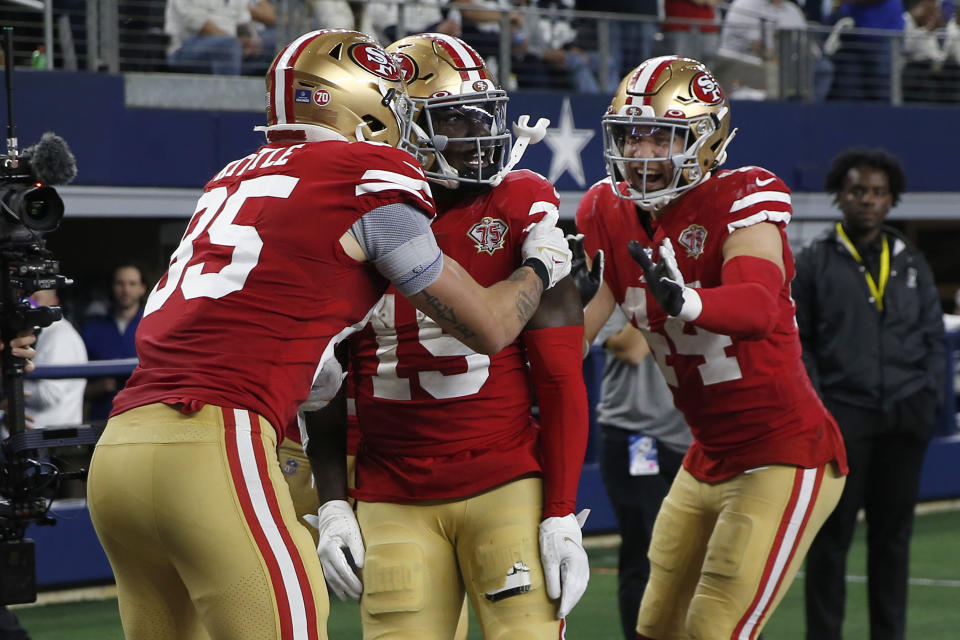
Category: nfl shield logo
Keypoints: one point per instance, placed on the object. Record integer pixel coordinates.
(290, 466)
(692, 239)
(489, 234)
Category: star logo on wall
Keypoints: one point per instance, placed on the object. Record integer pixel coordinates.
(567, 142)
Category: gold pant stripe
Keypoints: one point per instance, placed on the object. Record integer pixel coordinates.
(248, 462)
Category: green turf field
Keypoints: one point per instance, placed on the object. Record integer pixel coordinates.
(934, 599)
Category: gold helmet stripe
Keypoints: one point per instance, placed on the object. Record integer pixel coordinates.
(283, 65)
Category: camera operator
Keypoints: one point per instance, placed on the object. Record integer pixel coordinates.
(22, 349)
(10, 628)
(55, 402)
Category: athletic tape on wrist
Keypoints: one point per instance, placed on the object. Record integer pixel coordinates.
(540, 269)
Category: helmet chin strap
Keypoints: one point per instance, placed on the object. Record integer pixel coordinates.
(439, 143)
(358, 132)
(526, 135)
(722, 152)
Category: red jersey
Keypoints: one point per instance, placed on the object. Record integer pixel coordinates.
(260, 290)
(749, 403)
(438, 420)
(678, 11)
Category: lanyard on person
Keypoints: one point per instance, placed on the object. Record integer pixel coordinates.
(884, 266)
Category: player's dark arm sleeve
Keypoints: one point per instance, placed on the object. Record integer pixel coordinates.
(803, 291)
(327, 442)
(327, 447)
(554, 348)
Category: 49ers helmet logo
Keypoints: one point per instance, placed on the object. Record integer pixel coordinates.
(705, 88)
(408, 67)
(489, 234)
(693, 239)
(375, 60)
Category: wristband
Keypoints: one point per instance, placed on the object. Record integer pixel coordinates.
(540, 269)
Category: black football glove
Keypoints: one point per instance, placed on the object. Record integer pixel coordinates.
(665, 281)
(588, 281)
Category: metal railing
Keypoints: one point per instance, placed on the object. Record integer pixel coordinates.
(809, 64)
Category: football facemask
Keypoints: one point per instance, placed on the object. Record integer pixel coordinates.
(466, 141)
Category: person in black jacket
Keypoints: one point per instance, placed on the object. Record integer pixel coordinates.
(871, 327)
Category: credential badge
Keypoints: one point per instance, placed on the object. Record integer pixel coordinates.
(489, 234)
(693, 239)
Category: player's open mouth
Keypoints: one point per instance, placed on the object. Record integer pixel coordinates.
(651, 179)
(474, 161)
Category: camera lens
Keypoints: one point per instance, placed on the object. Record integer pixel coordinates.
(42, 209)
(37, 208)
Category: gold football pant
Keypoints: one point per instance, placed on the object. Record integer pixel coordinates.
(296, 470)
(421, 559)
(198, 525)
(723, 555)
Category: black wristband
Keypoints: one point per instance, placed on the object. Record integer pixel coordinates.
(540, 269)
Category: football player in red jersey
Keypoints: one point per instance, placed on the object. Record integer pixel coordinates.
(458, 490)
(287, 253)
(706, 277)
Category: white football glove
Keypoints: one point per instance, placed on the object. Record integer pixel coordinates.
(545, 242)
(325, 386)
(339, 537)
(565, 566)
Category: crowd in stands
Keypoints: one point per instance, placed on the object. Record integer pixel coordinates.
(554, 45)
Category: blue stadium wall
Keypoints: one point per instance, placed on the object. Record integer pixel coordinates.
(142, 147)
(119, 146)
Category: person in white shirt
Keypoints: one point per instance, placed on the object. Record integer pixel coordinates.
(930, 72)
(205, 35)
(748, 42)
(951, 45)
(425, 16)
(56, 402)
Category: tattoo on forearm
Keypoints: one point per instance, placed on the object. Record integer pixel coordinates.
(528, 297)
(446, 312)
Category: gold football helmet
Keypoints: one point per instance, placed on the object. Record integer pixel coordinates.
(678, 102)
(460, 114)
(341, 81)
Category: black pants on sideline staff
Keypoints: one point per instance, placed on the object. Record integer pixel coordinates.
(636, 501)
(885, 452)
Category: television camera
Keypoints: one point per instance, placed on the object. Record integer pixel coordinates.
(30, 207)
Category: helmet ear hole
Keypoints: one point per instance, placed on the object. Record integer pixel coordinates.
(376, 126)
